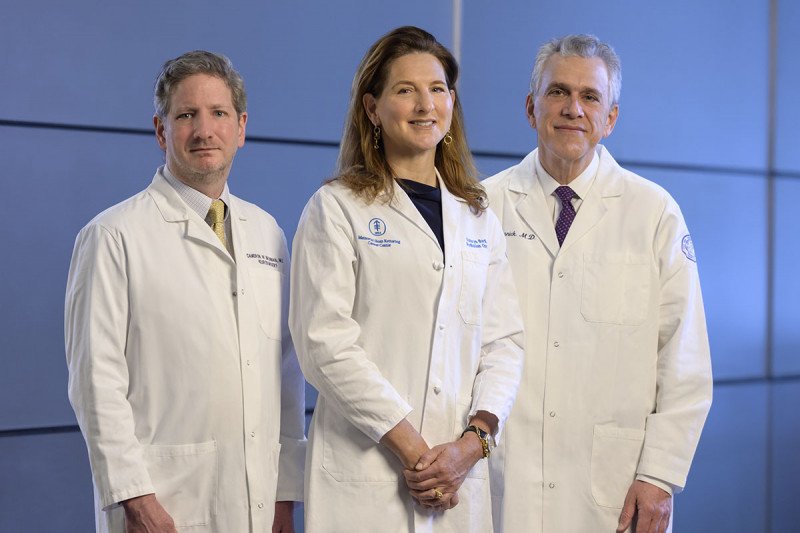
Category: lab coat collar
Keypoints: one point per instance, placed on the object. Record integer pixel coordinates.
(532, 205)
(175, 210)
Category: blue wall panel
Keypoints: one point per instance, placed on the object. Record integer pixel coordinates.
(95, 63)
(46, 484)
(785, 459)
(786, 300)
(787, 139)
(684, 96)
(727, 482)
(60, 180)
(727, 218)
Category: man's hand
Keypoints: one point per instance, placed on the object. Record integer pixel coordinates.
(284, 518)
(440, 472)
(144, 514)
(649, 505)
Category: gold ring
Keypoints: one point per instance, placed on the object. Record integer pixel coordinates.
(437, 494)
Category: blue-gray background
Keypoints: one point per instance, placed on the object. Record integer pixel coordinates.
(709, 110)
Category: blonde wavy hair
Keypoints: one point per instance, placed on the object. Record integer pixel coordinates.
(364, 169)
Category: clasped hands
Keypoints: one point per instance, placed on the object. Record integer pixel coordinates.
(435, 479)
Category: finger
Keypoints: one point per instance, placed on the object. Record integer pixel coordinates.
(644, 520)
(427, 459)
(424, 484)
(626, 515)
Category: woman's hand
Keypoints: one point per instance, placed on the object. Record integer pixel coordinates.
(438, 475)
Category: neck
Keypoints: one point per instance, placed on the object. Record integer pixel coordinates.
(211, 184)
(420, 169)
(564, 171)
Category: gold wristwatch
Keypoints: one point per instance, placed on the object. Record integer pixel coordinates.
(483, 436)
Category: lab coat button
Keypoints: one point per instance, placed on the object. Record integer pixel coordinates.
(552, 485)
(555, 343)
(260, 505)
(253, 434)
(441, 326)
(560, 274)
(234, 293)
(437, 389)
(437, 265)
(241, 292)
(249, 362)
(552, 414)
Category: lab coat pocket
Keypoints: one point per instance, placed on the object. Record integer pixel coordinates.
(616, 288)
(615, 456)
(185, 480)
(267, 285)
(474, 270)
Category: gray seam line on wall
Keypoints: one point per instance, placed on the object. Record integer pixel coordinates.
(477, 153)
(74, 428)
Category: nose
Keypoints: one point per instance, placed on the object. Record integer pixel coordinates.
(572, 107)
(202, 126)
(424, 101)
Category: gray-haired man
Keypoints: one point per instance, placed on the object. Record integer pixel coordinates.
(617, 380)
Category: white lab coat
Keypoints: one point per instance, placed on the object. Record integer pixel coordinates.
(182, 372)
(387, 327)
(617, 380)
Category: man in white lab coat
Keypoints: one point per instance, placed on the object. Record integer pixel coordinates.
(182, 372)
(617, 380)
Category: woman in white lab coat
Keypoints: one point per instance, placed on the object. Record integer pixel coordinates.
(403, 310)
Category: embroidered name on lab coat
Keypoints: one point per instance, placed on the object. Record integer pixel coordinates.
(274, 262)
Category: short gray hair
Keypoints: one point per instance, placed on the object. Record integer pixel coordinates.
(176, 70)
(582, 45)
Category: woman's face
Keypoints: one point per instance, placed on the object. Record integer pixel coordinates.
(414, 109)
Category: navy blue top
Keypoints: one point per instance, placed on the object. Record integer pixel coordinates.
(428, 201)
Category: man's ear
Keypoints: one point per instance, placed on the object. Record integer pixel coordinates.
(529, 110)
(158, 124)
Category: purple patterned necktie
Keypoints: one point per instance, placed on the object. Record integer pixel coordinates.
(565, 194)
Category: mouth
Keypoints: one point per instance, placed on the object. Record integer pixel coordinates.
(575, 129)
(203, 149)
(423, 123)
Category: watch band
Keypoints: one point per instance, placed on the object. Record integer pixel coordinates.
(482, 435)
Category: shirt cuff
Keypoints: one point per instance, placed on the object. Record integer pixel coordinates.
(663, 485)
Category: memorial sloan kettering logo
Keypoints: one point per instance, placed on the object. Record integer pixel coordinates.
(377, 228)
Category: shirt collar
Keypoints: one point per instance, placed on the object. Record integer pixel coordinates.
(197, 201)
(579, 185)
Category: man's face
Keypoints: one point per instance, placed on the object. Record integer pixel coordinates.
(201, 132)
(571, 112)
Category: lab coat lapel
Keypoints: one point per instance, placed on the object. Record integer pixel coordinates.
(450, 222)
(403, 205)
(605, 188)
(531, 204)
(175, 210)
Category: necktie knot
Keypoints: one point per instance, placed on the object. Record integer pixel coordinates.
(216, 214)
(565, 194)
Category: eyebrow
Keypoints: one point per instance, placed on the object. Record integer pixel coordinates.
(567, 88)
(408, 82)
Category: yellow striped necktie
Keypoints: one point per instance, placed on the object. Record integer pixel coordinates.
(217, 216)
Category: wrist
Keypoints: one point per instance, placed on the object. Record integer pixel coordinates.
(484, 438)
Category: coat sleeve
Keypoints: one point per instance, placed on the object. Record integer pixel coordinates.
(502, 352)
(320, 317)
(683, 381)
(293, 406)
(95, 331)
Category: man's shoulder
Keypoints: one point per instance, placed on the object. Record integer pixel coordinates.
(632, 183)
(254, 212)
(123, 213)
